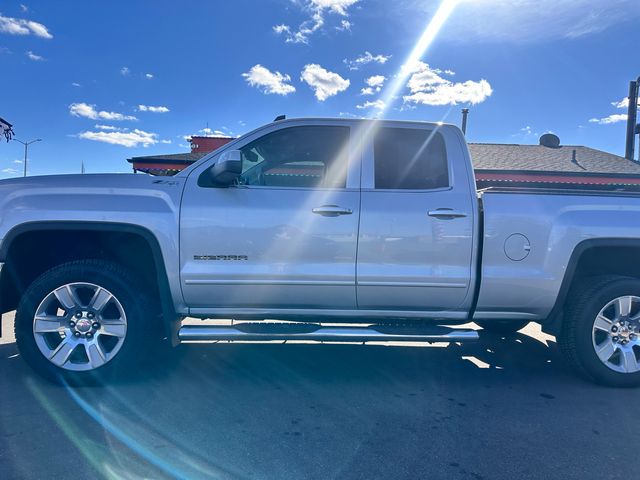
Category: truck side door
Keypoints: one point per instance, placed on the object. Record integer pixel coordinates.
(285, 236)
(415, 248)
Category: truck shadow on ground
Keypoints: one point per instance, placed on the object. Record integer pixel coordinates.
(216, 406)
(493, 356)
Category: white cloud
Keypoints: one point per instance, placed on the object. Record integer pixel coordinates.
(152, 109)
(345, 26)
(624, 103)
(282, 28)
(131, 139)
(428, 87)
(76, 84)
(527, 21)
(453, 93)
(32, 56)
(11, 171)
(317, 10)
(378, 104)
(24, 8)
(365, 58)
(166, 141)
(615, 118)
(125, 72)
(324, 83)
(20, 26)
(108, 127)
(337, 6)
(376, 82)
(526, 133)
(19, 162)
(269, 82)
(148, 75)
(209, 132)
(88, 111)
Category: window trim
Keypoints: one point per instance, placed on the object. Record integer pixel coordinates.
(368, 163)
(354, 160)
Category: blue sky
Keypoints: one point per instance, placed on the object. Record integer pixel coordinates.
(100, 82)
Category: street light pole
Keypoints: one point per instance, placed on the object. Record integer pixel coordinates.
(26, 147)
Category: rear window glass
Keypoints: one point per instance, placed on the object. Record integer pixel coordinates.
(410, 159)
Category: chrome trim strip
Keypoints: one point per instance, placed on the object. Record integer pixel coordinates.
(213, 281)
(485, 315)
(337, 283)
(329, 334)
(283, 313)
(413, 284)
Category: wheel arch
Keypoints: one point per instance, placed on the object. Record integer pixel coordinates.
(13, 281)
(591, 257)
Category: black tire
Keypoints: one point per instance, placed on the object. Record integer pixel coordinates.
(141, 320)
(502, 326)
(575, 339)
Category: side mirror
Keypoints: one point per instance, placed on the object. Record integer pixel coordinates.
(227, 169)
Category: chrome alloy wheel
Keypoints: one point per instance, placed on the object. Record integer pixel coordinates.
(79, 326)
(615, 334)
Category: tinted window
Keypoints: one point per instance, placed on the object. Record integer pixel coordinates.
(298, 157)
(410, 159)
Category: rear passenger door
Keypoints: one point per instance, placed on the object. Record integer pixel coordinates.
(416, 223)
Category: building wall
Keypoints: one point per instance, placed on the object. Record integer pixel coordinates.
(208, 144)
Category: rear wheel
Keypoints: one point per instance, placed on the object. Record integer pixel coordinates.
(600, 336)
(84, 320)
(502, 326)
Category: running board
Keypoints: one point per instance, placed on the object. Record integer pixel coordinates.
(315, 332)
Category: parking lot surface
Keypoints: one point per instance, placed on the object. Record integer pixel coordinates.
(502, 408)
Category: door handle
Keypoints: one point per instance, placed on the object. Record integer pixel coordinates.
(446, 213)
(331, 211)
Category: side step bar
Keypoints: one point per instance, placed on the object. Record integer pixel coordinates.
(316, 332)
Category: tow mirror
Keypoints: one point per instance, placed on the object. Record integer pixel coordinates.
(227, 169)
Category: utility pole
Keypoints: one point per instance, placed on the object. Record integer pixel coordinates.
(26, 148)
(632, 118)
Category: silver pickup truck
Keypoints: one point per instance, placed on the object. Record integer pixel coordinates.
(323, 225)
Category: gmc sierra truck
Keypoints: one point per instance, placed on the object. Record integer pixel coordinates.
(322, 224)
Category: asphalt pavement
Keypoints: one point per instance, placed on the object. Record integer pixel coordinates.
(502, 408)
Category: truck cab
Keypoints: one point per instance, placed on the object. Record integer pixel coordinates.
(360, 219)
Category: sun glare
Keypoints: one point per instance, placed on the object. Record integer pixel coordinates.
(422, 45)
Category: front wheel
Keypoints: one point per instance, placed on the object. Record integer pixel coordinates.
(83, 320)
(600, 335)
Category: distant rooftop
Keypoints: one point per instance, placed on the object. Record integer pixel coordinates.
(187, 158)
(540, 158)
